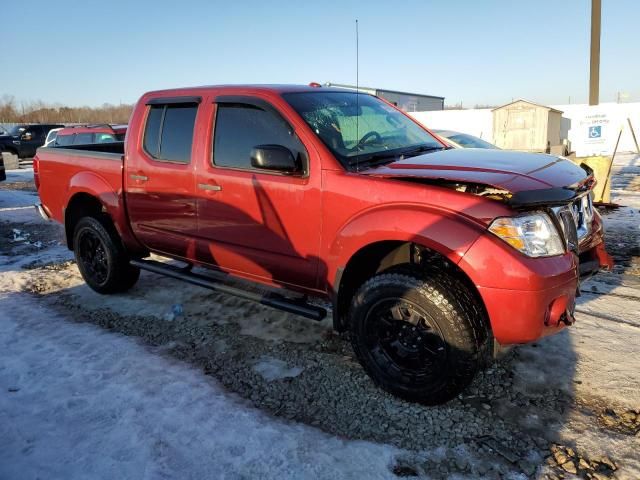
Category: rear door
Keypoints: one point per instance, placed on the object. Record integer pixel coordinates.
(159, 178)
(253, 222)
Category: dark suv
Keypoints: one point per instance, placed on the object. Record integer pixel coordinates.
(23, 140)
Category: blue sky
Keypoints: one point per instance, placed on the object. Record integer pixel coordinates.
(475, 52)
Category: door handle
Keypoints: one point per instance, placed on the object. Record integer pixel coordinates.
(141, 178)
(211, 188)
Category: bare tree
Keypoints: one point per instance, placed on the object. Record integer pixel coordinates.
(41, 112)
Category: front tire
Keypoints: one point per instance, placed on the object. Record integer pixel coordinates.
(101, 258)
(418, 337)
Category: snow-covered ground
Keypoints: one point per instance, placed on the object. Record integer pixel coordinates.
(80, 401)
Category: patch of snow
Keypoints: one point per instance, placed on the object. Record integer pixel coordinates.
(20, 175)
(18, 236)
(50, 254)
(15, 200)
(149, 297)
(79, 402)
(271, 369)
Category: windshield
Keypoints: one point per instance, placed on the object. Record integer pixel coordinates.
(358, 127)
(17, 130)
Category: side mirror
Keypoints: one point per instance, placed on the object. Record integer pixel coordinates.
(26, 136)
(274, 157)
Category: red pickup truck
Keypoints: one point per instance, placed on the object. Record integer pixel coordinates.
(429, 255)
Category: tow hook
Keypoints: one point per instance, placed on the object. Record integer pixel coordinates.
(561, 311)
(567, 319)
(568, 316)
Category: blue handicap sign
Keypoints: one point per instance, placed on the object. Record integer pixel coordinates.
(595, 132)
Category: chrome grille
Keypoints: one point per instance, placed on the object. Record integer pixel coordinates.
(582, 210)
(569, 230)
(575, 221)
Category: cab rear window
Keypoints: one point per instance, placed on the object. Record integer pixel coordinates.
(83, 139)
(64, 140)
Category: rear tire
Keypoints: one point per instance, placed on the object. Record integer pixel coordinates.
(101, 258)
(419, 337)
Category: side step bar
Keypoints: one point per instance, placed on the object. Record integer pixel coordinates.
(269, 299)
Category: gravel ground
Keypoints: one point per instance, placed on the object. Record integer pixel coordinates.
(24, 186)
(23, 239)
(503, 424)
(494, 419)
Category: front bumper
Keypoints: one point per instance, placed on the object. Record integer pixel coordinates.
(529, 298)
(520, 316)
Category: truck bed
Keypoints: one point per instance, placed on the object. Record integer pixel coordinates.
(74, 169)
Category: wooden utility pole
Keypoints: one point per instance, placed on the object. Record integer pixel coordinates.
(594, 68)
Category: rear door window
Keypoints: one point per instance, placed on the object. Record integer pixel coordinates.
(168, 132)
(151, 142)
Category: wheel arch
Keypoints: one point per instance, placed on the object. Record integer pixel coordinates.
(81, 204)
(91, 194)
(380, 256)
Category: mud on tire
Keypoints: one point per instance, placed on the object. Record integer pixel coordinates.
(419, 336)
(101, 258)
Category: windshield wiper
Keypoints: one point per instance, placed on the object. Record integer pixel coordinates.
(380, 158)
(374, 159)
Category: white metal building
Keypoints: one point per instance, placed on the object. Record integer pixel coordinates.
(409, 102)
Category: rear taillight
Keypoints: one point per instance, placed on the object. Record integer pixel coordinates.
(36, 168)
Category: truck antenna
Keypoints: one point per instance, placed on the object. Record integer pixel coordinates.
(357, 100)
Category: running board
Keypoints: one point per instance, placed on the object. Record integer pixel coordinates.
(269, 299)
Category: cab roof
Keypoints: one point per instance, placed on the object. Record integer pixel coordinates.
(272, 88)
(99, 128)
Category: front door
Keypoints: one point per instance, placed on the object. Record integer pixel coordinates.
(254, 222)
(159, 179)
(31, 139)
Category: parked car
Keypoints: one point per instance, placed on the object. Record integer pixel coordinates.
(88, 134)
(51, 137)
(463, 140)
(23, 140)
(3, 174)
(429, 255)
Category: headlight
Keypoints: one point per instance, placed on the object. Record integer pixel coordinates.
(534, 235)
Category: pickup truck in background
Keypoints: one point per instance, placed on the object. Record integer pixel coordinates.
(87, 134)
(24, 140)
(51, 136)
(429, 255)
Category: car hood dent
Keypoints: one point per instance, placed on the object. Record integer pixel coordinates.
(510, 171)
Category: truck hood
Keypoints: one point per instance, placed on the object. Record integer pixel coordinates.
(530, 178)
